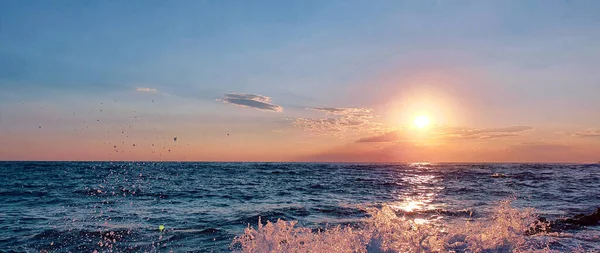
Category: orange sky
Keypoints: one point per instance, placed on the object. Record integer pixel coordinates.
(333, 135)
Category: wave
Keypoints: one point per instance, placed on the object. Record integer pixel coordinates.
(384, 231)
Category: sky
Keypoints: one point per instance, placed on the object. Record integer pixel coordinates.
(324, 81)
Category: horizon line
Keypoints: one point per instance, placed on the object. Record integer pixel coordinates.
(323, 162)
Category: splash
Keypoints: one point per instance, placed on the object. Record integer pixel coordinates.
(384, 231)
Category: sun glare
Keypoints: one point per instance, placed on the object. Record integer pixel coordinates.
(421, 121)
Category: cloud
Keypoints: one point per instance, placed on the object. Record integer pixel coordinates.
(338, 120)
(259, 102)
(319, 124)
(386, 137)
(452, 134)
(588, 133)
(148, 90)
(364, 112)
(484, 133)
(496, 136)
(458, 137)
(512, 129)
(542, 144)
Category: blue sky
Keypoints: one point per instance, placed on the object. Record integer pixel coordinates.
(512, 62)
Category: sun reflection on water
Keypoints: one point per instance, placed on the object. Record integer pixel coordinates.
(417, 200)
(410, 206)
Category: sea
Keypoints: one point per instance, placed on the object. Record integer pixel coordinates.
(293, 207)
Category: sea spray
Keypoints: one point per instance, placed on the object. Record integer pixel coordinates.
(386, 231)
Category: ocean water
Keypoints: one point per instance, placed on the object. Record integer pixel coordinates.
(216, 207)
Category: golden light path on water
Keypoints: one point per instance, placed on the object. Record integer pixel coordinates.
(422, 191)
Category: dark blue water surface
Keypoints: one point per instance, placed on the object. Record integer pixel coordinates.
(118, 207)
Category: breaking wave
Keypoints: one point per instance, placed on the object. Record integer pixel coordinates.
(385, 231)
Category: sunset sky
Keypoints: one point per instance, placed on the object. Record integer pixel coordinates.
(499, 81)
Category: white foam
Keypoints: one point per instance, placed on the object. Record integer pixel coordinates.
(385, 231)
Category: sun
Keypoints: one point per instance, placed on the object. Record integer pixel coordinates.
(421, 121)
